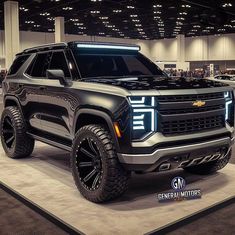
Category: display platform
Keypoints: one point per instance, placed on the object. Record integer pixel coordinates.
(45, 180)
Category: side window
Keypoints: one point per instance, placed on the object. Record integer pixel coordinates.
(39, 65)
(58, 61)
(18, 62)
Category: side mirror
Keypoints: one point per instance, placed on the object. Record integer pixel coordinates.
(57, 74)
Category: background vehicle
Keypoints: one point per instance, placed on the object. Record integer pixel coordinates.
(116, 112)
(225, 78)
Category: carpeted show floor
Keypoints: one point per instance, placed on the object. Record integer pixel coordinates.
(18, 219)
(220, 222)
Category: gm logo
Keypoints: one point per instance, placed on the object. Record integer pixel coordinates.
(178, 183)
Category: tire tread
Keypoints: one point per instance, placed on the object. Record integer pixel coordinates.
(24, 145)
(116, 182)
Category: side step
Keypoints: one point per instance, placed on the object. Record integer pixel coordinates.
(51, 140)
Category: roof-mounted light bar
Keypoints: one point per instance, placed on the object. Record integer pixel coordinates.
(112, 47)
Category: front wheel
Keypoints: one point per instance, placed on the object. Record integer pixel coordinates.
(96, 170)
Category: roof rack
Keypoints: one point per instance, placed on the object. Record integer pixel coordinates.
(103, 45)
(45, 47)
(82, 44)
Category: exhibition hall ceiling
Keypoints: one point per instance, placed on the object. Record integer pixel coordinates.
(137, 19)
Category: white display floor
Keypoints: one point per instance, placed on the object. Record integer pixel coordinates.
(45, 179)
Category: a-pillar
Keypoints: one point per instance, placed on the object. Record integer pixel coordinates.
(12, 32)
(59, 29)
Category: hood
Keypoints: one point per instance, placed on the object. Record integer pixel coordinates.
(158, 83)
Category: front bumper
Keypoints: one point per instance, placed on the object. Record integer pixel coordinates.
(177, 156)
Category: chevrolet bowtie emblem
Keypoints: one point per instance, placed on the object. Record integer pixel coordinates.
(199, 103)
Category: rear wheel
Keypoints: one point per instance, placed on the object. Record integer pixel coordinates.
(15, 141)
(210, 167)
(96, 170)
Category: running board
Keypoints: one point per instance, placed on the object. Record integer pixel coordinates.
(50, 141)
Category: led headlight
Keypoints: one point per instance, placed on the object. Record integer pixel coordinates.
(143, 120)
(229, 108)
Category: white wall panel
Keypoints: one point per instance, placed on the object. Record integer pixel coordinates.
(206, 48)
(196, 48)
(216, 49)
(2, 44)
(70, 37)
(210, 48)
(229, 50)
(163, 50)
(32, 39)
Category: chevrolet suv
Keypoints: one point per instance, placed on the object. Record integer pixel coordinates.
(116, 112)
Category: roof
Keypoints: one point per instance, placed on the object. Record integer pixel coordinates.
(81, 44)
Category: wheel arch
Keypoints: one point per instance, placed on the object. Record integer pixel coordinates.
(88, 116)
(12, 101)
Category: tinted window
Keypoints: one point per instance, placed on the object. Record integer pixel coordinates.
(18, 62)
(225, 77)
(58, 61)
(109, 65)
(39, 65)
(136, 66)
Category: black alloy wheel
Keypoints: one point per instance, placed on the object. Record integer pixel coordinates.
(8, 132)
(89, 164)
(15, 140)
(96, 169)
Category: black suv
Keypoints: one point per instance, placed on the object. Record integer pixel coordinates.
(116, 112)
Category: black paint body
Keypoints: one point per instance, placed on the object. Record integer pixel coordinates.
(55, 112)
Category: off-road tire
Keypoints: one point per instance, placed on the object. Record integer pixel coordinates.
(23, 144)
(210, 167)
(114, 178)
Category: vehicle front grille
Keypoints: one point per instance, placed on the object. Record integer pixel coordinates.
(192, 125)
(193, 110)
(179, 98)
(177, 115)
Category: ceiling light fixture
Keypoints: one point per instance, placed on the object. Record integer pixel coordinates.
(45, 14)
(67, 8)
(117, 11)
(227, 4)
(24, 9)
(186, 6)
(95, 12)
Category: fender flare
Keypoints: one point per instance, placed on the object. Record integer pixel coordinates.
(101, 114)
(13, 98)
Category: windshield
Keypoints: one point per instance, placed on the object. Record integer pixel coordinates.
(100, 65)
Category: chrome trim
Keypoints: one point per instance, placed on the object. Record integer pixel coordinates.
(159, 153)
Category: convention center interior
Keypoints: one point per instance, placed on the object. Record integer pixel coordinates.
(117, 117)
